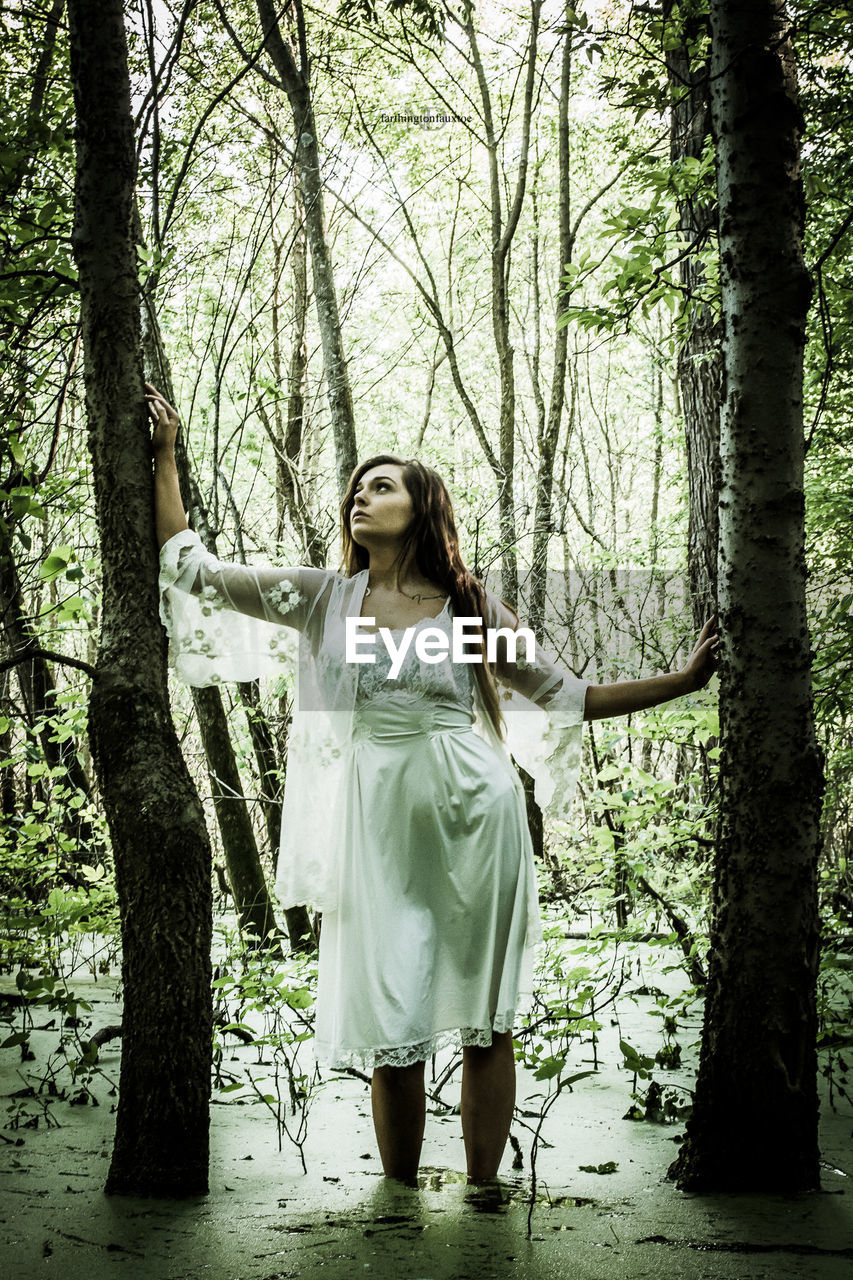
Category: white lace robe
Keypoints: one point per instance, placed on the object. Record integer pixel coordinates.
(228, 621)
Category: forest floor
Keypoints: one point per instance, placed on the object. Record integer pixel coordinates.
(264, 1219)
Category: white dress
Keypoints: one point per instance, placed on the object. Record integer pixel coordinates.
(403, 820)
(426, 946)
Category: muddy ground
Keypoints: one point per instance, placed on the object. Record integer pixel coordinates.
(264, 1219)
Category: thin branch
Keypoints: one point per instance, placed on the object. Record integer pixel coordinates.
(78, 663)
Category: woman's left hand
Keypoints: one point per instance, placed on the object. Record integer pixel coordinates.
(702, 663)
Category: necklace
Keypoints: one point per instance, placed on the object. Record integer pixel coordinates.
(418, 598)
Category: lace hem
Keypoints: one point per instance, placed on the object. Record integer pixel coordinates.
(366, 1059)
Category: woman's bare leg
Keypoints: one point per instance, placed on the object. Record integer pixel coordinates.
(399, 1112)
(488, 1098)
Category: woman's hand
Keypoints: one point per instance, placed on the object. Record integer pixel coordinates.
(622, 699)
(165, 419)
(702, 663)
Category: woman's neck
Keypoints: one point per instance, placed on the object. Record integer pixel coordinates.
(386, 571)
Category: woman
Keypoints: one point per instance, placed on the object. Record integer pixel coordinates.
(403, 819)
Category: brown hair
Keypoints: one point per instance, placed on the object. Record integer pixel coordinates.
(434, 541)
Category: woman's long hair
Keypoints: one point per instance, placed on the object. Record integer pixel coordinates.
(434, 541)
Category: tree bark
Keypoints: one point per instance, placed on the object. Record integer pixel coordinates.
(160, 843)
(699, 357)
(245, 873)
(754, 1125)
(8, 790)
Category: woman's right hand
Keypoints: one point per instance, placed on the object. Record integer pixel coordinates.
(165, 419)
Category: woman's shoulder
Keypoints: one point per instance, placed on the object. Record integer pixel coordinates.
(498, 612)
(337, 583)
(327, 575)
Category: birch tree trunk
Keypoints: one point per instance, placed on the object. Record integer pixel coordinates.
(160, 844)
(297, 84)
(754, 1126)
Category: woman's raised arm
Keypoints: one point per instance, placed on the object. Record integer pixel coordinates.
(223, 619)
(621, 699)
(546, 741)
(544, 679)
(279, 595)
(169, 515)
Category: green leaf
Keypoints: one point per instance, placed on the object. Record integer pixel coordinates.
(55, 563)
(17, 1037)
(549, 1068)
(300, 998)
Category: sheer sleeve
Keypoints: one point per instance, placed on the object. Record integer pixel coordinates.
(543, 706)
(228, 621)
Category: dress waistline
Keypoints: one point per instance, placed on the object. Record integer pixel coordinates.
(401, 716)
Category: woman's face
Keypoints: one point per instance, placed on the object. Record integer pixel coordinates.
(382, 508)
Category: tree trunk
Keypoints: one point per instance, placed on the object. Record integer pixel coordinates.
(286, 432)
(37, 687)
(549, 419)
(8, 789)
(503, 229)
(252, 900)
(160, 844)
(32, 139)
(300, 932)
(264, 744)
(754, 1126)
(550, 432)
(245, 873)
(296, 81)
(34, 676)
(699, 357)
